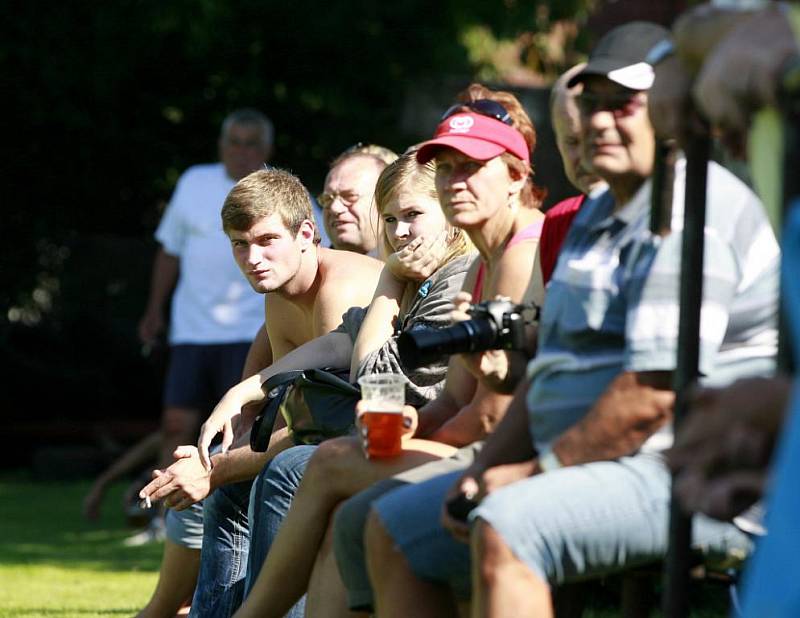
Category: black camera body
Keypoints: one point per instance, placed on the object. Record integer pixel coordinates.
(495, 325)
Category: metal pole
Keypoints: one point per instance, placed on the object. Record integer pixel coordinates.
(661, 196)
(675, 601)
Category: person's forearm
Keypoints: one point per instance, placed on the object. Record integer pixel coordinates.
(434, 414)
(244, 400)
(459, 431)
(459, 390)
(331, 350)
(242, 463)
(140, 453)
(510, 442)
(475, 420)
(378, 324)
(164, 276)
(632, 409)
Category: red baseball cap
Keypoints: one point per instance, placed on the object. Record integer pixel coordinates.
(477, 136)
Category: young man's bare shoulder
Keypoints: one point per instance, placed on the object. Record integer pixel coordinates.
(337, 264)
(347, 280)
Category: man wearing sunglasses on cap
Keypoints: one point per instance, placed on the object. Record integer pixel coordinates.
(572, 484)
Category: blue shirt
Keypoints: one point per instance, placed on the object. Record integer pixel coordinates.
(771, 589)
(612, 304)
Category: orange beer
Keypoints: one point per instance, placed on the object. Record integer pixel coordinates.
(382, 431)
(382, 396)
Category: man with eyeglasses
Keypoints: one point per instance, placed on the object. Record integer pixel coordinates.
(346, 200)
(573, 484)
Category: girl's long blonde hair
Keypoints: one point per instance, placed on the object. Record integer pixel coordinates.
(406, 174)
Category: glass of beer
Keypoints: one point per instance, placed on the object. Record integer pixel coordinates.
(383, 395)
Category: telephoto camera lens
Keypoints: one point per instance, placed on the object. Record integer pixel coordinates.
(495, 325)
(424, 347)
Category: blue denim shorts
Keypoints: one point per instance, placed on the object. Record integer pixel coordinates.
(600, 518)
(411, 516)
(565, 525)
(351, 517)
(185, 528)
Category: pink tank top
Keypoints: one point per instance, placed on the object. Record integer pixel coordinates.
(534, 230)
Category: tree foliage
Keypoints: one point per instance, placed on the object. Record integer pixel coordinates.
(111, 101)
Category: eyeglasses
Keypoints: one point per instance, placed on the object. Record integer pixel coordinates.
(326, 200)
(619, 103)
(484, 107)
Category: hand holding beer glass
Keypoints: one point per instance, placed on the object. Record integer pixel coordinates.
(380, 414)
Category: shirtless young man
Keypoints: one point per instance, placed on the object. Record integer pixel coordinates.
(307, 288)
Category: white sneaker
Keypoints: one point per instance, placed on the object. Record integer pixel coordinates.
(154, 533)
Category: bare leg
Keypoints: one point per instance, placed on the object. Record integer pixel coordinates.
(178, 426)
(142, 452)
(337, 470)
(503, 585)
(327, 596)
(398, 592)
(176, 581)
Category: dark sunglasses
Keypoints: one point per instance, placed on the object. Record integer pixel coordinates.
(619, 103)
(484, 107)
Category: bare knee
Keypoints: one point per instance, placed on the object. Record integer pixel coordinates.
(501, 582)
(494, 562)
(179, 423)
(331, 460)
(490, 554)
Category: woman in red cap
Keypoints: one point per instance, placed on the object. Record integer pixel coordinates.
(484, 178)
(482, 151)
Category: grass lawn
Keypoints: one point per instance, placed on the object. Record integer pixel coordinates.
(54, 563)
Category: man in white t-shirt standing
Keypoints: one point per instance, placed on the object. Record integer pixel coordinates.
(214, 312)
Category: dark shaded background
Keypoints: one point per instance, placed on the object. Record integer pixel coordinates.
(107, 103)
